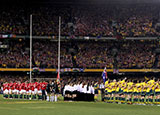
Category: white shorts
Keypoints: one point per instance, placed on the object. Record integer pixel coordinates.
(6, 91)
(10, 91)
(17, 91)
(14, 91)
(30, 91)
(46, 92)
(22, 91)
(35, 90)
(39, 91)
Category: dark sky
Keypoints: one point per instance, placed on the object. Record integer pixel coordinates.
(98, 1)
(76, 1)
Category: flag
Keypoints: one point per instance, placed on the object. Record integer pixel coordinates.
(104, 75)
(115, 71)
(81, 70)
(58, 78)
(146, 78)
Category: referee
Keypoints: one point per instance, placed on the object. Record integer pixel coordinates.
(48, 90)
(56, 91)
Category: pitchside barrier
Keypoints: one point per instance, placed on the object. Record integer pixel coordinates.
(44, 79)
(79, 70)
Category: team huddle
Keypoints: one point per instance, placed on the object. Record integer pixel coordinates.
(142, 92)
(24, 90)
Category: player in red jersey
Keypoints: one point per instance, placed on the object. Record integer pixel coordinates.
(43, 87)
(35, 88)
(36, 84)
(5, 90)
(24, 90)
(31, 90)
(14, 90)
(21, 90)
(10, 89)
(17, 89)
(27, 86)
(39, 91)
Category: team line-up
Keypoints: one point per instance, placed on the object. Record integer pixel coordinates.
(24, 90)
(122, 91)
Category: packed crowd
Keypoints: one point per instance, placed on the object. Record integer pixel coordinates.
(130, 54)
(45, 55)
(127, 21)
(86, 20)
(16, 56)
(13, 21)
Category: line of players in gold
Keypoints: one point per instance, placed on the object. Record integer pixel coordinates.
(127, 91)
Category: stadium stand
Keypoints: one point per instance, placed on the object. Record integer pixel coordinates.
(132, 21)
(132, 54)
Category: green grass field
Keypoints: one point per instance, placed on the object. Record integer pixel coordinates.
(27, 107)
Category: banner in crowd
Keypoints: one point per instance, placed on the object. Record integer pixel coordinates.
(71, 70)
(71, 37)
(7, 36)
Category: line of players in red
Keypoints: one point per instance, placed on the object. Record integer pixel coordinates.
(25, 90)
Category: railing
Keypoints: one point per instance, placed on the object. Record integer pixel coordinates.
(3, 36)
(79, 70)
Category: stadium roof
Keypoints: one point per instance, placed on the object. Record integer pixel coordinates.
(99, 1)
(81, 1)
